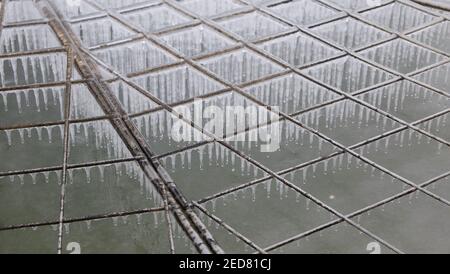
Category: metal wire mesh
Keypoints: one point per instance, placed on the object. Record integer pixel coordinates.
(373, 76)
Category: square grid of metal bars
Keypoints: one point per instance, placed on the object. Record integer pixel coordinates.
(363, 88)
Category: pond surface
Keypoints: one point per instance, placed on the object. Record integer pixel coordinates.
(362, 156)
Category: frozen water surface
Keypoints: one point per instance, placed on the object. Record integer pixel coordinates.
(347, 122)
(204, 161)
(19, 39)
(198, 40)
(303, 12)
(438, 126)
(339, 239)
(210, 8)
(143, 233)
(291, 93)
(299, 50)
(30, 198)
(253, 26)
(35, 105)
(107, 189)
(350, 33)
(398, 17)
(422, 222)
(156, 17)
(365, 118)
(266, 205)
(177, 84)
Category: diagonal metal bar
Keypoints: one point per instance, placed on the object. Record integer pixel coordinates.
(86, 218)
(433, 4)
(64, 177)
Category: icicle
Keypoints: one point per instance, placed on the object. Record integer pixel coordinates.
(88, 224)
(214, 204)
(87, 173)
(115, 221)
(46, 176)
(4, 97)
(253, 190)
(33, 178)
(39, 133)
(101, 170)
(8, 137)
(70, 173)
(21, 179)
(139, 219)
(156, 219)
(67, 228)
(308, 204)
(305, 174)
(49, 134)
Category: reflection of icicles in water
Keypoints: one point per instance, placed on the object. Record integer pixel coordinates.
(26, 135)
(8, 137)
(403, 95)
(4, 98)
(19, 39)
(291, 93)
(177, 84)
(156, 125)
(439, 125)
(134, 57)
(346, 114)
(95, 32)
(209, 156)
(45, 69)
(293, 133)
(240, 66)
(115, 221)
(282, 188)
(21, 178)
(113, 175)
(37, 178)
(325, 170)
(299, 49)
(88, 224)
(407, 138)
(83, 104)
(67, 228)
(132, 100)
(17, 11)
(357, 74)
(99, 134)
(408, 56)
(270, 189)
